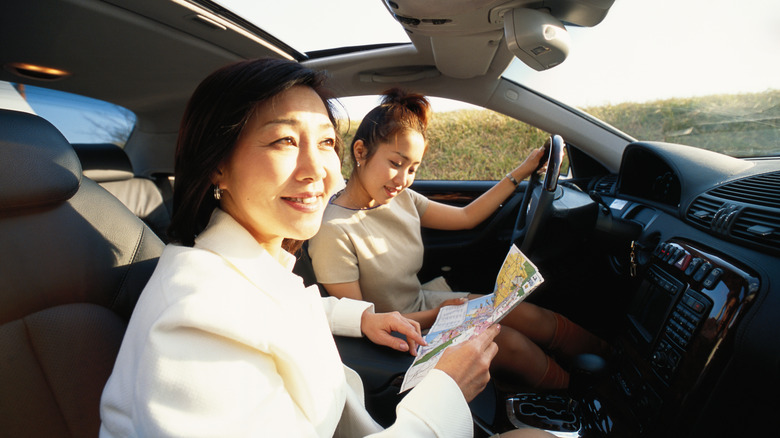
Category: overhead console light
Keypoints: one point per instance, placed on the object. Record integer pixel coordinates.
(536, 38)
(38, 72)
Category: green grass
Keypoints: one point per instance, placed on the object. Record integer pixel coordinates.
(484, 145)
(470, 145)
(740, 125)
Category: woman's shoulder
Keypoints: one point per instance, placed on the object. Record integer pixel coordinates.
(198, 284)
(335, 214)
(409, 200)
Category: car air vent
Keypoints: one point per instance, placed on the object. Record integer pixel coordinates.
(746, 210)
(761, 190)
(703, 209)
(606, 184)
(760, 226)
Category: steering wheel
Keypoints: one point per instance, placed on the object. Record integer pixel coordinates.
(538, 198)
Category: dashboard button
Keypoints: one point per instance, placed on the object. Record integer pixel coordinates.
(713, 278)
(702, 271)
(695, 263)
(684, 261)
(675, 254)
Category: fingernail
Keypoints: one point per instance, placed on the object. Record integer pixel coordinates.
(403, 346)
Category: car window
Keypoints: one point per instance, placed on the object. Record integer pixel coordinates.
(465, 142)
(655, 74)
(80, 119)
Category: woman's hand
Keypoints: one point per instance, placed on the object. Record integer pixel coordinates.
(378, 328)
(452, 302)
(468, 363)
(531, 162)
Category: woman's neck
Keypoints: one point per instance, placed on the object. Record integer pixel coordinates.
(355, 196)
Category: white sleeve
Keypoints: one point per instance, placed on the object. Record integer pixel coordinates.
(344, 315)
(435, 407)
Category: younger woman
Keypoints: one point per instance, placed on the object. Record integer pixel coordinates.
(370, 246)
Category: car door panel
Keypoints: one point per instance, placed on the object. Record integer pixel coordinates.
(468, 259)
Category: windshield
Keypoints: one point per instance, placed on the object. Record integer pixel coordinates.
(698, 72)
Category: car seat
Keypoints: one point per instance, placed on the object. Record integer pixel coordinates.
(73, 261)
(108, 165)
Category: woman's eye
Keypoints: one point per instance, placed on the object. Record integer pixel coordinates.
(286, 141)
(412, 171)
(395, 164)
(328, 143)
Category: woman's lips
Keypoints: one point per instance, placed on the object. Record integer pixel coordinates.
(392, 191)
(305, 202)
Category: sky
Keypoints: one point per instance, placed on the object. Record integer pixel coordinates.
(643, 50)
(734, 43)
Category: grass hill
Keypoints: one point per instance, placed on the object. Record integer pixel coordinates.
(480, 144)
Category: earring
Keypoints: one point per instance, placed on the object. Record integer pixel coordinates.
(358, 163)
(217, 193)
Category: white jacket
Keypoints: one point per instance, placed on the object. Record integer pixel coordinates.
(225, 341)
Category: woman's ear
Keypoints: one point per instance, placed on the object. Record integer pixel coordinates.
(359, 150)
(216, 176)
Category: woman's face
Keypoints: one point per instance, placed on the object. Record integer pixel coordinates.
(392, 167)
(283, 169)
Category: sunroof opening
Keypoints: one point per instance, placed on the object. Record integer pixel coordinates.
(324, 25)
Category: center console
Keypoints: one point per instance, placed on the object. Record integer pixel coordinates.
(678, 335)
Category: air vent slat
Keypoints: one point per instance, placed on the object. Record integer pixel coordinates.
(763, 190)
(746, 210)
(703, 210)
(606, 184)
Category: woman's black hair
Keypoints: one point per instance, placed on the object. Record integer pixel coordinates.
(399, 111)
(215, 115)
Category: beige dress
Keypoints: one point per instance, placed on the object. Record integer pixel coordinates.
(381, 248)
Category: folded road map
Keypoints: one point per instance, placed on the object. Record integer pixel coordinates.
(516, 280)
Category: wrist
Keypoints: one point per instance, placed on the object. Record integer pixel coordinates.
(364, 318)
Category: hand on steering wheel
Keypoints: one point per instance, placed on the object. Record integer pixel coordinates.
(530, 220)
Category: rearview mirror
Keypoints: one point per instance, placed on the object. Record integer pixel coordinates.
(536, 38)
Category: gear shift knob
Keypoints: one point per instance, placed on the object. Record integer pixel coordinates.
(587, 370)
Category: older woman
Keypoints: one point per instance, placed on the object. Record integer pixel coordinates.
(225, 340)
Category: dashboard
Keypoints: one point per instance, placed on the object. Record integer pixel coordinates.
(700, 339)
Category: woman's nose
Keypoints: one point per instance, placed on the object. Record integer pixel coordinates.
(310, 163)
(400, 179)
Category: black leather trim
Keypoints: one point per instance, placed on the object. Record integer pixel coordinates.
(104, 162)
(37, 165)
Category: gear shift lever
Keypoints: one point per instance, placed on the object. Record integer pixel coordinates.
(557, 412)
(587, 370)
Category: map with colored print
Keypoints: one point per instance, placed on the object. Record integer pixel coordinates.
(516, 280)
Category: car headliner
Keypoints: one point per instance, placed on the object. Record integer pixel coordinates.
(148, 56)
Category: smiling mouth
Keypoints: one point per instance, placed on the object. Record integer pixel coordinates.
(307, 200)
(392, 191)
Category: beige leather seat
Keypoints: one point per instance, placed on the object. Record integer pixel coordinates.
(73, 261)
(108, 165)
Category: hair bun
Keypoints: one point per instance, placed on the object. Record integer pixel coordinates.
(401, 100)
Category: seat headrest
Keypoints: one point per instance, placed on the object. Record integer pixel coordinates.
(37, 164)
(104, 162)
